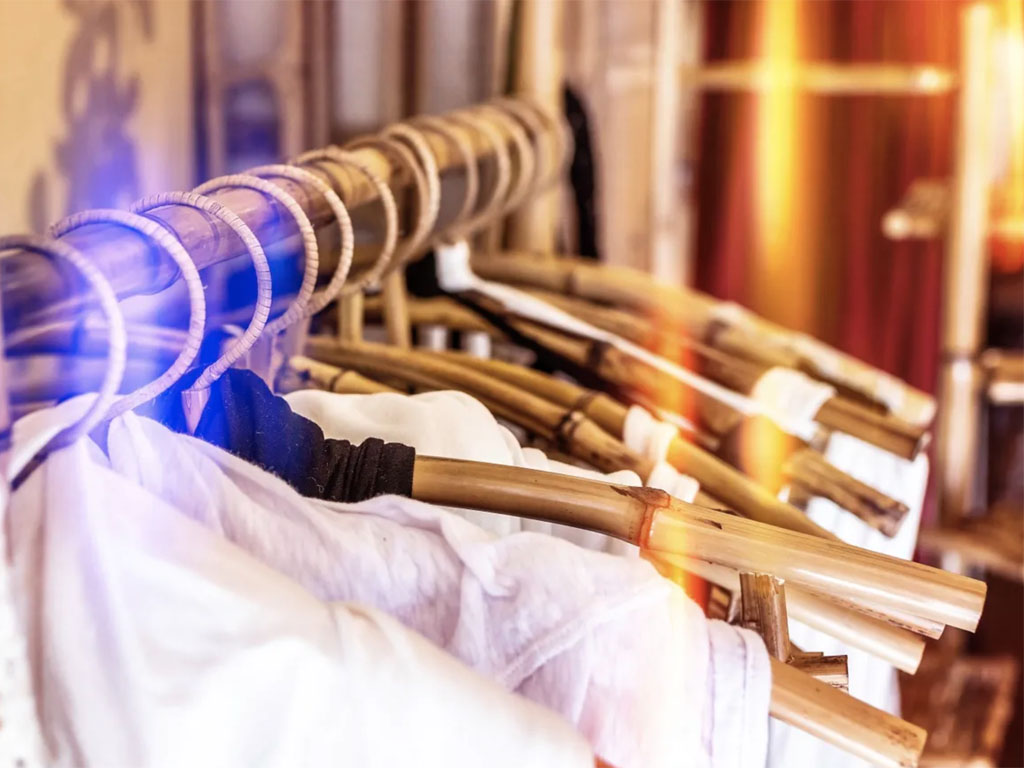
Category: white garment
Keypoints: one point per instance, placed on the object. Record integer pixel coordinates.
(451, 425)
(156, 642)
(871, 679)
(543, 617)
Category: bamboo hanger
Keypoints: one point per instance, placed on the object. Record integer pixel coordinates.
(895, 645)
(571, 430)
(961, 608)
(569, 426)
(796, 698)
(839, 412)
(727, 327)
(350, 305)
(197, 303)
(633, 515)
(196, 396)
(419, 162)
(805, 468)
(720, 407)
(722, 480)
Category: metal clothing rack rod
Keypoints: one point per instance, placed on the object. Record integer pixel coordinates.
(133, 266)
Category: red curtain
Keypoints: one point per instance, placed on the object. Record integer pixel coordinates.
(857, 155)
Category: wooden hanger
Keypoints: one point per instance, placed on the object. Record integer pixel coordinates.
(805, 468)
(846, 414)
(703, 317)
(897, 645)
(962, 608)
(797, 697)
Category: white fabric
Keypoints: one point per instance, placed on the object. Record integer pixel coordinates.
(651, 438)
(646, 435)
(455, 275)
(871, 679)
(156, 642)
(21, 742)
(788, 395)
(540, 616)
(667, 478)
(739, 730)
(451, 425)
(31, 433)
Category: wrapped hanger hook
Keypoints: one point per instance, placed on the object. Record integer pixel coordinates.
(296, 310)
(332, 290)
(194, 285)
(527, 161)
(547, 169)
(195, 397)
(426, 209)
(387, 200)
(503, 168)
(264, 285)
(464, 148)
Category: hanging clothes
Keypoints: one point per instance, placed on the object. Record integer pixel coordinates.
(540, 616)
(154, 641)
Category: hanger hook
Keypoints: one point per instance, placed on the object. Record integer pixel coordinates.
(456, 138)
(149, 229)
(525, 156)
(558, 131)
(297, 309)
(547, 168)
(264, 285)
(503, 166)
(117, 338)
(426, 210)
(332, 290)
(414, 138)
(344, 158)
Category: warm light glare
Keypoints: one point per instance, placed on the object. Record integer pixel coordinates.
(1008, 207)
(776, 134)
(775, 186)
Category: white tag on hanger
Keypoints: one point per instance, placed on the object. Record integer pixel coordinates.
(789, 396)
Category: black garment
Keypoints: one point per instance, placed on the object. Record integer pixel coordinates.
(245, 418)
(582, 175)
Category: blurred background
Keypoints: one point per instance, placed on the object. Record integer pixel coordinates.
(851, 169)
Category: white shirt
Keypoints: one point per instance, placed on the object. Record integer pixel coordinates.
(154, 641)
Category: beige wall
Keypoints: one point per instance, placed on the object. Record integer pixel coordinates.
(96, 105)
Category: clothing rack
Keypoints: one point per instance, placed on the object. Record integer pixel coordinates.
(642, 516)
(129, 262)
